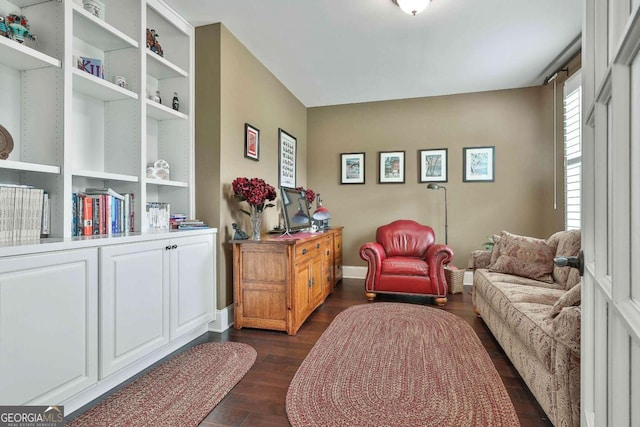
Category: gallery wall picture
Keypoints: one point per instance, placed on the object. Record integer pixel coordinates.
(479, 164)
(433, 165)
(352, 168)
(391, 167)
(251, 142)
(287, 149)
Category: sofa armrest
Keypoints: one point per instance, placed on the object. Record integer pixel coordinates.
(566, 328)
(437, 257)
(374, 254)
(480, 259)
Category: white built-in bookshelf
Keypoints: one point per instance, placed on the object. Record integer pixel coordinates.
(72, 130)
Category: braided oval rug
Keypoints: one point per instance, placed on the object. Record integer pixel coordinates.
(394, 364)
(178, 393)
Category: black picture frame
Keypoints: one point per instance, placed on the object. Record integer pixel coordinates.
(287, 154)
(433, 165)
(391, 167)
(251, 142)
(479, 164)
(352, 168)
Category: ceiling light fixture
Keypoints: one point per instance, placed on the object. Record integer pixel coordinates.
(412, 7)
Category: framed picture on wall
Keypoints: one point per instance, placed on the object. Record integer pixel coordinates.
(251, 142)
(287, 147)
(433, 165)
(479, 164)
(391, 167)
(352, 168)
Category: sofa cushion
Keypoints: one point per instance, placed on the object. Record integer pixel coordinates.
(571, 298)
(524, 256)
(405, 266)
(524, 308)
(567, 244)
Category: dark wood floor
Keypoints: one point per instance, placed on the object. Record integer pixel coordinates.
(259, 398)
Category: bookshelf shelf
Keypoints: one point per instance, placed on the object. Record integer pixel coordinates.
(20, 57)
(99, 88)
(99, 33)
(160, 68)
(28, 167)
(167, 183)
(106, 176)
(162, 112)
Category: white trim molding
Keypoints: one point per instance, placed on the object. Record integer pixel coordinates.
(354, 272)
(223, 320)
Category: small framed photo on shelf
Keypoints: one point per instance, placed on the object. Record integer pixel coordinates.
(251, 142)
(479, 164)
(433, 165)
(287, 150)
(352, 168)
(391, 167)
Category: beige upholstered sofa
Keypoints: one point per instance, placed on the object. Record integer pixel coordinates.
(533, 309)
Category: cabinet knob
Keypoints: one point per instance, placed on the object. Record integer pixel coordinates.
(338, 245)
(167, 248)
(317, 245)
(328, 252)
(304, 252)
(174, 247)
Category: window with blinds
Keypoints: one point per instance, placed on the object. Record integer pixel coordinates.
(572, 151)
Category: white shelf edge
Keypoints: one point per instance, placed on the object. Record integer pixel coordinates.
(123, 39)
(21, 57)
(29, 167)
(167, 183)
(170, 69)
(162, 112)
(25, 3)
(99, 88)
(104, 175)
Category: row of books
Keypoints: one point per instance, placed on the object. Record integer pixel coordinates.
(99, 211)
(24, 213)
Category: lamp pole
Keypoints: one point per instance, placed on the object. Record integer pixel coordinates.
(433, 186)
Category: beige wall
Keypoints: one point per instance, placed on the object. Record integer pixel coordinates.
(517, 122)
(234, 88)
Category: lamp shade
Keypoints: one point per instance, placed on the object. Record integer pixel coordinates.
(321, 214)
(412, 7)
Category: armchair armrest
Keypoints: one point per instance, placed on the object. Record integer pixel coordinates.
(480, 259)
(438, 256)
(374, 254)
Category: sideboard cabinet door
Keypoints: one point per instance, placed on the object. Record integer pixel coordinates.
(134, 302)
(192, 289)
(48, 326)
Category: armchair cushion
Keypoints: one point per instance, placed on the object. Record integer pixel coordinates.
(413, 240)
(405, 266)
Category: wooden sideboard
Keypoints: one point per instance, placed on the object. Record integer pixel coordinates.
(278, 281)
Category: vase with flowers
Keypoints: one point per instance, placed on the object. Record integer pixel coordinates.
(256, 192)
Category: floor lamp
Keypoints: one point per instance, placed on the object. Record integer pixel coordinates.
(433, 186)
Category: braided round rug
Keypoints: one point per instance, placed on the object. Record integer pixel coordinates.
(394, 364)
(179, 392)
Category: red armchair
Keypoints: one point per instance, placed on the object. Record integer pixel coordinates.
(405, 260)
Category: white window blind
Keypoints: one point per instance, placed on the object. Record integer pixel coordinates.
(572, 150)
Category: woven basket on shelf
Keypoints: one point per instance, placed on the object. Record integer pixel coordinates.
(455, 279)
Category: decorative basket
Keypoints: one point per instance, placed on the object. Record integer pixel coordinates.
(455, 279)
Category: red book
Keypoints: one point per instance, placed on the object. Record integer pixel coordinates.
(87, 217)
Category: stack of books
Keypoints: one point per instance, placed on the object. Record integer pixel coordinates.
(24, 213)
(99, 211)
(191, 224)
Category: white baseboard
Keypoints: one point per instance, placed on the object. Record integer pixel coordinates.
(354, 272)
(223, 320)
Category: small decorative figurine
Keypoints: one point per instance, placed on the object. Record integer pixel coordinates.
(239, 234)
(4, 30)
(18, 27)
(175, 104)
(152, 42)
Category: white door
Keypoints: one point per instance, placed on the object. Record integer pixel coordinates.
(611, 211)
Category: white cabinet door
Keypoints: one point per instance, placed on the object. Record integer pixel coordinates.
(192, 285)
(134, 302)
(48, 326)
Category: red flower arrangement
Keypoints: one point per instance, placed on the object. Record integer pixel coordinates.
(309, 194)
(254, 191)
